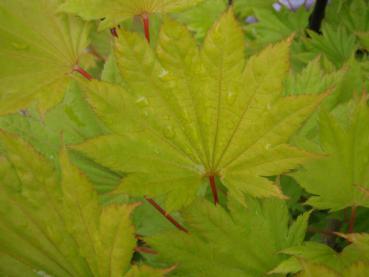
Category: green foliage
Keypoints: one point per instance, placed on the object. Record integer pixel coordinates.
(241, 242)
(274, 26)
(200, 18)
(188, 115)
(312, 258)
(341, 179)
(57, 227)
(38, 50)
(114, 12)
(159, 127)
(337, 44)
(247, 7)
(74, 121)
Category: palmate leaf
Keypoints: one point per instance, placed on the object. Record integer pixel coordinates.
(144, 271)
(73, 118)
(311, 270)
(200, 18)
(114, 12)
(53, 228)
(318, 255)
(341, 179)
(337, 44)
(356, 270)
(273, 26)
(244, 242)
(38, 50)
(189, 114)
(247, 7)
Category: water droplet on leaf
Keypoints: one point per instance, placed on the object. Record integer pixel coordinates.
(142, 101)
(163, 73)
(231, 98)
(200, 168)
(169, 132)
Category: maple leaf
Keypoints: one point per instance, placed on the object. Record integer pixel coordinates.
(38, 50)
(340, 180)
(200, 18)
(247, 7)
(144, 271)
(320, 255)
(243, 242)
(57, 228)
(337, 44)
(273, 26)
(75, 119)
(189, 115)
(114, 12)
(359, 269)
(313, 77)
(310, 269)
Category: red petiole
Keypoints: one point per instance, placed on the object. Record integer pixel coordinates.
(352, 220)
(114, 32)
(166, 215)
(83, 72)
(146, 24)
(214, 191)
(145, 250)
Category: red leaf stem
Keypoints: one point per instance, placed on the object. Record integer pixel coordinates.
(83, 72)
(166, 215)
(214, 191)
(145, 250)
(114, 32)
(352, 219)
(146, 23)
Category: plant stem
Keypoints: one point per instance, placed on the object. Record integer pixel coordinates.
(145, 250)
(317, 16)
(352, 219)
(324, 232)
(146, 23)
(214, 191)
(96, 54)
(113, 31)
(166, 215)
(83, 72)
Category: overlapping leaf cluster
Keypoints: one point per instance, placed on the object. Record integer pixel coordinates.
(190, 114)
(203, 111)
(57, 226)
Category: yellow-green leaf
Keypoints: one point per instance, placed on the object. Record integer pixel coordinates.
(246, 241)
(57, 228)
(38, 50)
(341, 179)
(187, 113)
(114, 12)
